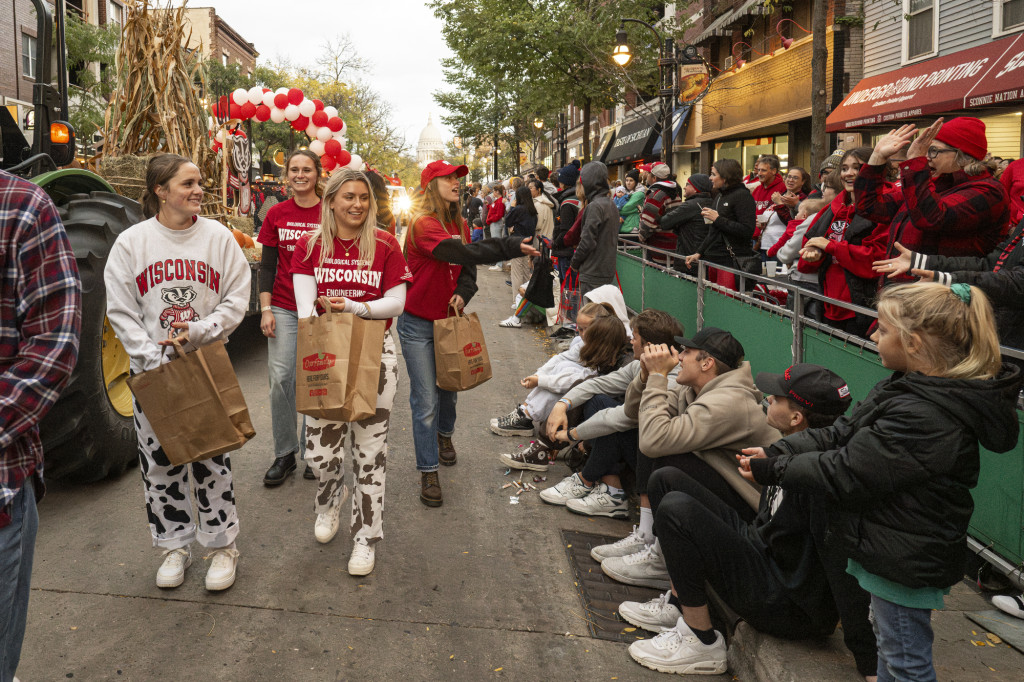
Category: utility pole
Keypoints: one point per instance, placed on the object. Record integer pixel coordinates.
(819, 93)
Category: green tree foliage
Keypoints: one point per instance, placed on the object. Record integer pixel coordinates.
(90, 53)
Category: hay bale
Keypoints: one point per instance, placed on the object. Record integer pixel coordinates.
(243, 224)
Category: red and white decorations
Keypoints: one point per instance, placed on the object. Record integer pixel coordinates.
(321, 124)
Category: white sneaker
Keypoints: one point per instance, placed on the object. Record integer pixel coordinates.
(495, 268)
(630, 544)
(1011, 605)
(172, 571)
(655, 615)
(678, 651)
(361, 561)
(600, 502)
(221, 575)
(326, 526)
(569, 488)
(646, 568)
(511, 322)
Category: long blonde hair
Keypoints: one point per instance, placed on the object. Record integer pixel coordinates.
(958, 339)
(327, 232)
(430, 204)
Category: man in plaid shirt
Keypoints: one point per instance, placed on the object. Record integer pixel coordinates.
(40, 321)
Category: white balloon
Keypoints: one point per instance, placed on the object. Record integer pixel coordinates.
(255, 95)
(281, 91)
(291, 112)
(317, 147)
(339, 137)
(331, 112)
(344, 128)
(324, 134)
(356, 163)
(240, 96)
(277, 115)
(268, 98)
(221, 136)
(306, 107)
(311, 130)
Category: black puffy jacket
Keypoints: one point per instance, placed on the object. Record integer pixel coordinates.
(733, 228)
(899, 469)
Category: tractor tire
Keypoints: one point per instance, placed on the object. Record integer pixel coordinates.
(90, 432)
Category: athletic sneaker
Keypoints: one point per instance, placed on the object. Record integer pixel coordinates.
(361, 561)
(630, 544)
(223, 562)
(646, 568)
(515, 423)
(677, 650)
(495, 268)
(569, 488)
(326, 526)
(1011, 605)
(172, 571)
(511, 322)
(600, 502)
(655, 615)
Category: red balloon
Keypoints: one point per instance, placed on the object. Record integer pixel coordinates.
(295, 96)
(262, 113)
(266, 90)
(301, 123)
(343, 157)
(298, 128)
(214, 109)
(234, 111)
(335, 124)
(332, 147)
(318, 104)
(319, 119)
(281, 101)
(248, 110)
(328, 163)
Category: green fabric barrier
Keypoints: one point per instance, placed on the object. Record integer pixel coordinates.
(767, 338)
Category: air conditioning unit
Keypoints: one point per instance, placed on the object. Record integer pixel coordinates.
(728, 63)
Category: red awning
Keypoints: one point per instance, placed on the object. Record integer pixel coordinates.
(986, 76)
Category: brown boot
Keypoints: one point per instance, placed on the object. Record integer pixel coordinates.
(534, 457)
(445, 450)
(430, 489)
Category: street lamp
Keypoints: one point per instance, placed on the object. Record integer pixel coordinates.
(538, 124)
(621, 54)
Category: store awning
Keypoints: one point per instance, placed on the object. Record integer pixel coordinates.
(633, 141)
(605, 146)
(720, 27)
(679, 119)
(986, 76)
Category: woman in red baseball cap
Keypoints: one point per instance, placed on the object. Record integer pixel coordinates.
(443, 263)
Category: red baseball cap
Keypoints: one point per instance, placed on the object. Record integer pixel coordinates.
(646, 168)
(439, 169)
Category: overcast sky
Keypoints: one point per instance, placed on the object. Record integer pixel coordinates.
(401, 39)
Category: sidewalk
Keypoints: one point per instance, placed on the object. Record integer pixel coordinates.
(476, 589)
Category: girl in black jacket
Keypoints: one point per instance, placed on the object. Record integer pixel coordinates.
(900, 467)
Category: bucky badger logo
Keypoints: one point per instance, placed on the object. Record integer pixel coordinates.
(179, 301)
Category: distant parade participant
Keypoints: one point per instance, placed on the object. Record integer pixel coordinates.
(348, 243)
(155, 297)
(285, 223)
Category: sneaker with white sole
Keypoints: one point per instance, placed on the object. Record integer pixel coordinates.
(515, 423)
(495, 268)
(677, 650)
(569, 488)
(654, 615)
(600, 502)
(511, 322)
(630, 544)
(1011, 605)
(221, 575)
(646, 568)
(172, 571)
(326, 526)
(361, 561)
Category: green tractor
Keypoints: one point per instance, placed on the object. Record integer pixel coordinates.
(90, 433)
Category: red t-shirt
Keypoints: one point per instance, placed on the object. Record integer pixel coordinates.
(340, 275)
(433, 280)
(281, 229)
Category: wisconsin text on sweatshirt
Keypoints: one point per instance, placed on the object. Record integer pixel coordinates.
(177, 269)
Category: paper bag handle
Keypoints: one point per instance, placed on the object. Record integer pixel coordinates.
(325, 303)
(177, 347)
(451, 307)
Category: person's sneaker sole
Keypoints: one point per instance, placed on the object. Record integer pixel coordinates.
(501, 431)
(223, 584)
(527, 466)
(700, 668)
(611, 514)
(175, 582)
(600, 556)
(657, 583)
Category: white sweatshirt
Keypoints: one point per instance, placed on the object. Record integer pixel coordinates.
(156, 276)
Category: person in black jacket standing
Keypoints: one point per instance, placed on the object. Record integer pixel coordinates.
(568, 209)
(733, 215)
(594, 258)
(686, 220)
(899, 469)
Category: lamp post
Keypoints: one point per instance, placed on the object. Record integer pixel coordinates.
(538, 124)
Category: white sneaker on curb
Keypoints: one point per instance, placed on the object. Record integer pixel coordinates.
(646, 568)
(361, 561)
(511, 322)
(221, 575)
(677, 650)
(172, 571)
(655, 615)
(630, 544)
(326, 526)
(569, 488)
(495, 268)
(600, 502)
(1011, 605)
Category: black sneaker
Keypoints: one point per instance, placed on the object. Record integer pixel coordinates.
(430, 489)
(279, 470)
(308, 473)
(515, 423)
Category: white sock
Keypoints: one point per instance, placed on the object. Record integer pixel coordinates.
(615, 491)
(646, 525)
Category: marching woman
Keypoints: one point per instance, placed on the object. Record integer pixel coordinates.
(284, 224)
(360, 269)
(442, 261)
(179, 276)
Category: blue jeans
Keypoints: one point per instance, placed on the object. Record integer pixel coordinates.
(904, 636)
(17, 544)
(497, 230)
(433, 409)
(281, 370)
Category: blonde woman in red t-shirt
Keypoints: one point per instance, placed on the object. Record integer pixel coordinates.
(361, 270)
(280, 232)
(443, 264)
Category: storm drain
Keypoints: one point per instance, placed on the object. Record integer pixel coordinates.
(600, 596)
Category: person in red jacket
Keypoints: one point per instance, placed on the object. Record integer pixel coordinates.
(494, 223)
(769, 183)
(948, 204)
(1013, 180)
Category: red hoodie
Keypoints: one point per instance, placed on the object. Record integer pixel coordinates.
(496, 211)
(763, 198)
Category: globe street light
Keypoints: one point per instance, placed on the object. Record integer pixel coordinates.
(621, 54)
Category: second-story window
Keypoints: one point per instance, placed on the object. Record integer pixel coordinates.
(223, 58)
(1009, 14)
(921, 18)
(28, 56)
(116, 15)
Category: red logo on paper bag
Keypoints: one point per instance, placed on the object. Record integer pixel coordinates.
(472, 349)
(318, 362)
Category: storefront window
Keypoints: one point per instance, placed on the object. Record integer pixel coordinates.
(754, 148)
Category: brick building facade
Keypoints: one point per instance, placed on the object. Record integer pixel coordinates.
(217, 40)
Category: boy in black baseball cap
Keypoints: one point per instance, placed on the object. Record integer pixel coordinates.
(805, 396)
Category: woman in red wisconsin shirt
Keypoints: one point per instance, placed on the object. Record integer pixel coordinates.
(360, 269)
(443, 264)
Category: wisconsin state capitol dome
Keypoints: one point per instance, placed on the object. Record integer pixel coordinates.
(430, 146)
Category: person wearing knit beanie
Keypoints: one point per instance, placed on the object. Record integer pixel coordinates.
(700, 182)
(568, 175)
(965, 133)
(635, 174)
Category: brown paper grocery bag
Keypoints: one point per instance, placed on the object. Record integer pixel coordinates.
(460, 352)
(337, 369)
(194, 404)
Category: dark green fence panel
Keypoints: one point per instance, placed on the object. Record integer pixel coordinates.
(860, 368)
(675, 295)
(999, 502)
(630, 271)
(767, 338)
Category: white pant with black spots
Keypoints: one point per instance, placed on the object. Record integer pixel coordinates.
(366, 443)
(173, 521)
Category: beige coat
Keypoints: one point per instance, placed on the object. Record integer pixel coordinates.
(545, 216)
(714, 425)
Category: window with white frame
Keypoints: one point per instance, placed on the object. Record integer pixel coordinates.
(116, 14)
(1008, 15)
(920, 23)
(223, 58)
(28, 56)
